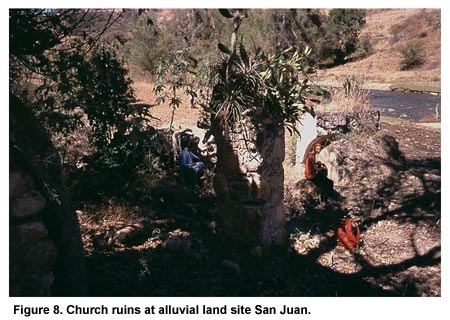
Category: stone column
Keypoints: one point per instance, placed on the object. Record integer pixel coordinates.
(249, 184)
(307, 127)
(32, 253)
(46, 250)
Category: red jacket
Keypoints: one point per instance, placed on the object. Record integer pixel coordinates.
(348, 237)
(312, 169)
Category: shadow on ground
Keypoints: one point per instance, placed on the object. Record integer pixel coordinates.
(181, 255)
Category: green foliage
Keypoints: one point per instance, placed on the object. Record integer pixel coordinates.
(343, 29)
(106, 96)
(364, 47)
(256, 85)
(75, 80)
(175, 75)
(296, 28)
(125, 169)
(149, 42)
(261, 87)
(413, 55)
(188, 30)
(332, 37)
(50, 49)
(57, 96)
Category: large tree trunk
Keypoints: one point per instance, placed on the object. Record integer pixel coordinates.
(46, 251)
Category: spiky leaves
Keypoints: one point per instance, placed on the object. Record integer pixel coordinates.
(261, 88)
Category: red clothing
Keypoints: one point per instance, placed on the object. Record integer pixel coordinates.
(312, 169)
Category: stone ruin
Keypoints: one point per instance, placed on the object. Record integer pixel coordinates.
(249, 176)
(304, 192)
(367, 122)
(313, 125)
(46, 256)
(249, 184)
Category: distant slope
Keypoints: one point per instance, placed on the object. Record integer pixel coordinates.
(389, 30)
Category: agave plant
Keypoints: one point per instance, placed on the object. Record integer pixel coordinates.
(239, 84)
(261, 87)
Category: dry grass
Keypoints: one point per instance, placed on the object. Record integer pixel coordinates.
(349, 97)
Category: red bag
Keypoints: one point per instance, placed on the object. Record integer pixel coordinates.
(347, 237)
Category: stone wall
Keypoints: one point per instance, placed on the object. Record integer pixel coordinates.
(348, 122)
(45, 248)
(325, 123)
(32, 253)
(249, 185)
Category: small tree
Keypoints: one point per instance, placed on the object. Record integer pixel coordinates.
(106, 96)
(149, 42)
(255, 97)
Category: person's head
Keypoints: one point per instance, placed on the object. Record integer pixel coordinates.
(317, 147)
(193, 143)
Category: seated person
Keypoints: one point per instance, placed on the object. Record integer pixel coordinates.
(316, 172)
(190, 164)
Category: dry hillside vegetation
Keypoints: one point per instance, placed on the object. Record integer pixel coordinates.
(389, 30)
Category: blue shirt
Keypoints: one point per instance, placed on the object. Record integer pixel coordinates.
(187, 158)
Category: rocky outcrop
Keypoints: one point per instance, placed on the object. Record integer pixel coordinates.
(368, 171)
(302, 194)
(46, 253)
(361, 159)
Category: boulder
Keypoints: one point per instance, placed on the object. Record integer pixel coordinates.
(27, 232)
(301, 193)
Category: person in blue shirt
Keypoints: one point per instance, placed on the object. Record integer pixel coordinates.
(190, 164)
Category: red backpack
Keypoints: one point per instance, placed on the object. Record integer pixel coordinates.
(348, 235)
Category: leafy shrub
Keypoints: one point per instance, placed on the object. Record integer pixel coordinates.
(398, 32)
(106, 96)
(343, 29)
(126, 169)
(413, 55)
(364, 47)
(259, 86)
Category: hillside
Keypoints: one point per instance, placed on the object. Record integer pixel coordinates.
(388, 30)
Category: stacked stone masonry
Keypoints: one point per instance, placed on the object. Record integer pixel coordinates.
(46, 255)
(249, 185)
(32, 253)
(347, 122)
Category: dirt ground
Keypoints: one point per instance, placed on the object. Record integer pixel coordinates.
(399, 218)
(173, 249)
